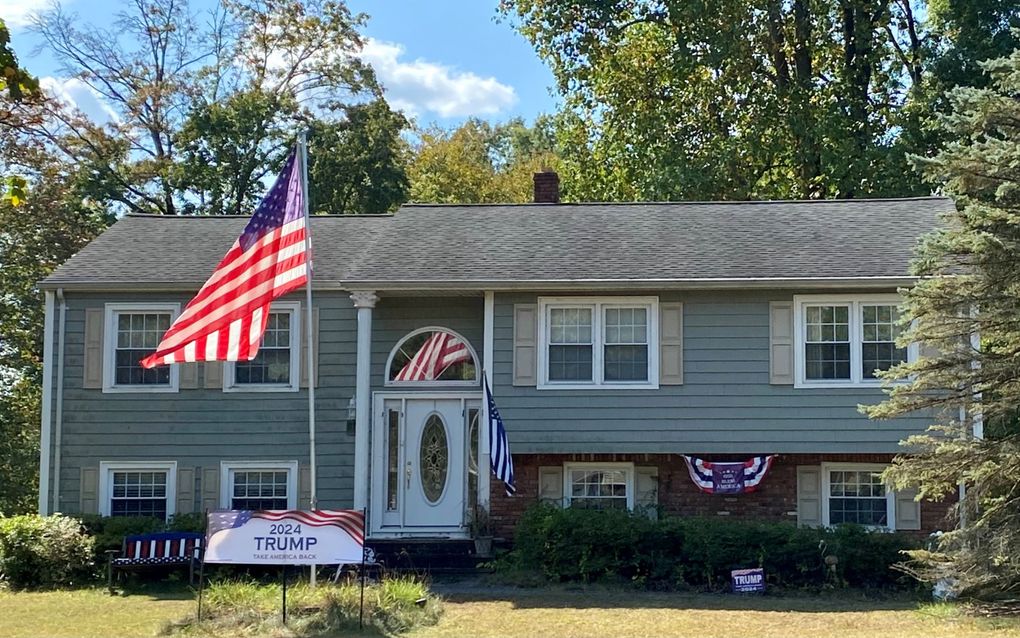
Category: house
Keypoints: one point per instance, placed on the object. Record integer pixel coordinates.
(618, 338)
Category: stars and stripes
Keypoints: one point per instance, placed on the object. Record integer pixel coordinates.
(226, 319)
(351, 521)
(706, 474)
(499, 448)
(440, 351)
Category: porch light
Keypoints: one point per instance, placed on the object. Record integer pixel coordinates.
(352, 415)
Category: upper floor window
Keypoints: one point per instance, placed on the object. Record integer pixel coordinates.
(275, 367)
(132, 332)
(432, 355)
(847, 341)
(606, 342)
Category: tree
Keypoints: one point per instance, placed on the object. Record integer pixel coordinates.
(16, 86)
(735, 99)
(359, 164)
(968, 292)
(63, 210)
(481, 163)
(206, 108)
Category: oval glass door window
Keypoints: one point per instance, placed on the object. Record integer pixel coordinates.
(435, 458)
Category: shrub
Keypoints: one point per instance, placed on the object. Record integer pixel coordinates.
(109, 531)
(587, 545)
(44, 551)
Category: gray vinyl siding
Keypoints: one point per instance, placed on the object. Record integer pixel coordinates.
(725, 404)
(395, 317)
(200, 427)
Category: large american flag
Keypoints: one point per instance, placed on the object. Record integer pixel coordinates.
(225, 321)
(499, 448)
(440, 351)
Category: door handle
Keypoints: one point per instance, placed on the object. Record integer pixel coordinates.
(407, 471)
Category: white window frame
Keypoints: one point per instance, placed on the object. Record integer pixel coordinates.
(890, 495)
(230, 368)
(111, 310)
(228, 467)
(856, 332)
(628, 469)
(107, 468)
(436, 382)
(598, 306)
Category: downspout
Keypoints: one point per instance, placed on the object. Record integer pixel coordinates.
(44, 417)
(58, 420)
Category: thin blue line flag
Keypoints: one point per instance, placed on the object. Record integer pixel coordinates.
(499, 448)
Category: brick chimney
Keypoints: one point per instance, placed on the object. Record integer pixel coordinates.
(547, 187)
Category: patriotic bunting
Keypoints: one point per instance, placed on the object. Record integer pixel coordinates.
(714, 477)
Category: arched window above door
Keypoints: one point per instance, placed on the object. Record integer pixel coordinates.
(433, 355)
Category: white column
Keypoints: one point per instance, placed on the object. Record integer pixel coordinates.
(364, 301)
(484, 471)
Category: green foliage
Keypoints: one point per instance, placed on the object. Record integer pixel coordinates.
(392, 606)
(44, 552)
(209, 107)
(968, 296)
(481, 163)
(728, 99)
(109, 531)
(587, 545)
(358, 164)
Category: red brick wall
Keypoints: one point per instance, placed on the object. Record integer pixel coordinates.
(775, 499)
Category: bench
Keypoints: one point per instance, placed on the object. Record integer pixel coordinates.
(151, 551)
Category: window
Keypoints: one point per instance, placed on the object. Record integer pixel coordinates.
(847, 341)
(435, 356)
(138, 489)
(607, 342)
(599, 485)
(855, 493)
(258, 485)
(132, 332)
(276, 366)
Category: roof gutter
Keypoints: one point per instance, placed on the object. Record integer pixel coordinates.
(477, 285)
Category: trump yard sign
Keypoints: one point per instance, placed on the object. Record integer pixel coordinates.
(285, 537)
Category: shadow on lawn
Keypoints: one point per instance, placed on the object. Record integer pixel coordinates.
(623, 599)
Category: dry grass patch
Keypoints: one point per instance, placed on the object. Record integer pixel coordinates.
(541, 614)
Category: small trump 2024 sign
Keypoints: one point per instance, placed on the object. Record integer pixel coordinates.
(285, 537)
(748, 580)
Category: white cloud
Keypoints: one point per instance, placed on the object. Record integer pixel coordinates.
(18, 13)
(420, 86)
(73, 92)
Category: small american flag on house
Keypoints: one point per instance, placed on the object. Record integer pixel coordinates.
(226, 319)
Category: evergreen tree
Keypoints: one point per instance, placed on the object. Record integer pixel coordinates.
(966, 312)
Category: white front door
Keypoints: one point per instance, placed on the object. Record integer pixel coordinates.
(420, 464)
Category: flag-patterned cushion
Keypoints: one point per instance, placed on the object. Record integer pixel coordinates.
(160, 549)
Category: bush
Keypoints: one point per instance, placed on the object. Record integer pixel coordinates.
(394, 605)
(44, 551)
(109, 531)
(588, 545)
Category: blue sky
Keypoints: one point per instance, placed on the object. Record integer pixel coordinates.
(439, 60)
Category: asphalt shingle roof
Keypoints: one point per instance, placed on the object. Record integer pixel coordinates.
(630, 242)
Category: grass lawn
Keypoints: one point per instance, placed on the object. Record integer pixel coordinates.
(538, 613)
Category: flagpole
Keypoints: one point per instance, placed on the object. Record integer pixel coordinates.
(310, 358)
